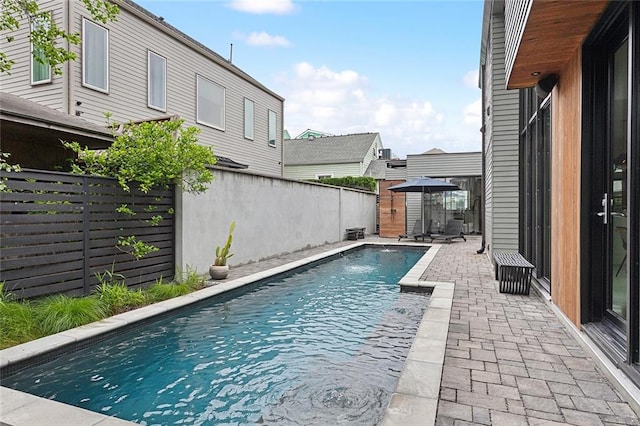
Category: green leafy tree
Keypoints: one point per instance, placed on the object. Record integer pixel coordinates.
(46, 35)
(153, 154)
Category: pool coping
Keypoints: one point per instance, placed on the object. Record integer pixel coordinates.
(414, 400)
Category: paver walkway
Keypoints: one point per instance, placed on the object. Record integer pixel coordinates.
(509, 360)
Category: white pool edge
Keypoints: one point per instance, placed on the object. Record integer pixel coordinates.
(413, 402)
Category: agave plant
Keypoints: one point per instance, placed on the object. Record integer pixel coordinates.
(224, 252)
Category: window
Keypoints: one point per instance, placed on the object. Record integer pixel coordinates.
(535, 202)
(157, 81)
(40, 68)
(210, 103)
(95, 56)
(248, 119)
(324, 176)
(272, 128)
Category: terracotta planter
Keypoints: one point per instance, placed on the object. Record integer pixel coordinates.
(218, 272)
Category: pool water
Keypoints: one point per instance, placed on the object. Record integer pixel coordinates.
(319, 346)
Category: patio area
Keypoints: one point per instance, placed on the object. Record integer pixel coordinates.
(510, 360)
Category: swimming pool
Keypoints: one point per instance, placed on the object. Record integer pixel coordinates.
(323, 344)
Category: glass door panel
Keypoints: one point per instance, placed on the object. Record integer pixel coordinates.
(617, 185)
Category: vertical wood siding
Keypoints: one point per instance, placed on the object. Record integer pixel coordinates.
(565, 185)
(392, 210)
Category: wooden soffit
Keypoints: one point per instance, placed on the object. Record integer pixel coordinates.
(552, 33)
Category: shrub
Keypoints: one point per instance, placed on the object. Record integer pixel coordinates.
(118, 298)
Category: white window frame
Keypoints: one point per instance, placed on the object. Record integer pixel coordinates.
(249, 119)
(203, 120)
(270, 128)
(324, 175)
(162, 107)
(86, 22)
(34, 62)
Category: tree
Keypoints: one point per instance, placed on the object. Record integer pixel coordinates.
(45, 35)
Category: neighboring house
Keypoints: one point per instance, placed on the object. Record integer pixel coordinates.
(571, 70)
(330, 156)
(312, 133)
(140, 68)
(399, 211)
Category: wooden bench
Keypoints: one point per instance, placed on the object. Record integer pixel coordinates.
(355, 233)
(513, 271)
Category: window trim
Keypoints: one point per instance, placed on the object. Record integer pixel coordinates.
(84, 39)
(324, 175)
(33, 60)
(253, 119)
(224, 102)
(156, 107)
(275, 128)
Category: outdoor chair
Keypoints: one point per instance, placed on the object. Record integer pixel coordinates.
(451, 231)
(417, 231)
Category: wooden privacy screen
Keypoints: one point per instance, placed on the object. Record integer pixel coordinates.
(58, 230)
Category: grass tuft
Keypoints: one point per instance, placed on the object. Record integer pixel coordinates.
(59, 312)
(119, 298)
(25, 320)
(18, 323)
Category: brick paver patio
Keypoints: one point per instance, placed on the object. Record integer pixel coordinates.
(509, 360)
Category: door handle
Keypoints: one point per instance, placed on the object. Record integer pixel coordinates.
(605, 205)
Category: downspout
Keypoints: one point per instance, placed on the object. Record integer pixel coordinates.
(483, 130)
(66, 78)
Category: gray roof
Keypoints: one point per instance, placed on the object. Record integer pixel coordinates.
(328, 149)
(377, 169)
(19, 110)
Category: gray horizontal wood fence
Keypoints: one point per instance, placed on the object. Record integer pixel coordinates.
(57, 230)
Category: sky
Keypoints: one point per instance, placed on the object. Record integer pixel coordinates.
(405, 69)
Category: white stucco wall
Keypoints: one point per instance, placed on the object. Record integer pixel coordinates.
(273, 216)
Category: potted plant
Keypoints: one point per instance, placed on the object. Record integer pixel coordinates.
(220, 269)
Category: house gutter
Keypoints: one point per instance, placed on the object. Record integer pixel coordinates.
(483, 130)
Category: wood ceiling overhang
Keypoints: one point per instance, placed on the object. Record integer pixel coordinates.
(552, 33)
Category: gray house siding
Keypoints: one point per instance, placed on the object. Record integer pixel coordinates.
(310, 171)
(18, 82)
(130, 38)
(396, 173)
(372, 154)
(501, 144)
(462, 164)
(444, 165)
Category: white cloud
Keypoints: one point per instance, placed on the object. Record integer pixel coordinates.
(263, 39)
(274, 7)
(341, 102)
(473, 113)
(470, 79)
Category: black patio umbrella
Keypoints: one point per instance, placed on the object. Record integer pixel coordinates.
(425, 185)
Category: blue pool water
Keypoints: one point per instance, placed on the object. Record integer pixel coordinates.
(320, 346)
